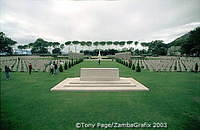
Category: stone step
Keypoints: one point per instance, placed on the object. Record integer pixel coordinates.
(99, 89)
(99, 82)
(100, 85)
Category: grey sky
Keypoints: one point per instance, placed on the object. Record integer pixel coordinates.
(63, 20)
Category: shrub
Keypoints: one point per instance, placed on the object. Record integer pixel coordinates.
(175, 68)
(126, 64)
(65, 66)
(61, 68)
(133, 67)
(130, 64)
(196, 67)
(69, 64)
(138, 69)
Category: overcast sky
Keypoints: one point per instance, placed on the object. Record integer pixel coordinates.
(63, 20)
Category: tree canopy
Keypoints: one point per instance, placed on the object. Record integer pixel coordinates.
(6, 43)
(40, 46)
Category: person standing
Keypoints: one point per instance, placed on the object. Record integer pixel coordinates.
(30, 68)
(55, 68)
(7, 72)
(51, 69)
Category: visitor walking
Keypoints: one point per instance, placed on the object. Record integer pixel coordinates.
(55, 68)
(51, 69)
(7, 72)
(30, 68)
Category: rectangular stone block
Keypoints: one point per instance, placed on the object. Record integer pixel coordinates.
(99, 74)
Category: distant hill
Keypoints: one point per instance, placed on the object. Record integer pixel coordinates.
(180, 41)
(189, 43)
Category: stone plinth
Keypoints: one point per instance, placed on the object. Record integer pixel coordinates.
(99, 74)
(99, 79)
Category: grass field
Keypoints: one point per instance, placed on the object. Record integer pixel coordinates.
(27, 102)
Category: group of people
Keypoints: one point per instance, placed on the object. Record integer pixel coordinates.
(8, 70)
(53, 68)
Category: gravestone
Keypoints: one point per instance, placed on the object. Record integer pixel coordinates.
(123, 55)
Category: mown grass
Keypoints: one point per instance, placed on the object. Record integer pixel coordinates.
(27, 102)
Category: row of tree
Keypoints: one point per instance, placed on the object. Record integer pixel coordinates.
(41, 46)
(190, 45)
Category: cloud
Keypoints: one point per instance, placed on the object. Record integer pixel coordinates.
(26, 20)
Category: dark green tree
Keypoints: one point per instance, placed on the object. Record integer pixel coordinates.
(68, 44)
(61, 68)
(192, 45)
(196, 67)
(133, 67)
(157, 47)
(40, 46)
(6, 44)
(129, 43)
(65, 66)
(56, 51)
(138, 69)
(75, 43)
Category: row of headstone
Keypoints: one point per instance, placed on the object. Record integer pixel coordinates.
(73, 55)
(173, 65)
(124, 55)
(21, 64)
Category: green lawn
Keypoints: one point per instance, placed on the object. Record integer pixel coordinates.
(27, 102)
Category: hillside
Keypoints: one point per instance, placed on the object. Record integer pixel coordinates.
(180, 41)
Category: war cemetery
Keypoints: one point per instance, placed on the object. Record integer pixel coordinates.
(71, 65)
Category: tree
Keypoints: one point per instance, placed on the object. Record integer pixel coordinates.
(42, 50)
(144, 44)
(136, 43)
(55, 44)
(75, 43)
(6, 44)
(129, 43)
(137, 52)
(61, 68)
(122, 43)
(56, 51)
(83, 43)
(20, 47)
(102, 43)
(196, 68)
(40, 46)
(138, 69)
(109, 43)
(192, 45)
(62, 46)
(30, 45)
(133, 67)
(89, 43)
(68, 43)
(116, 43)
(96, 43)
(65, 66)
(157, 47)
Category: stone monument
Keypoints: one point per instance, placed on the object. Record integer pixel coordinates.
(99, 79)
